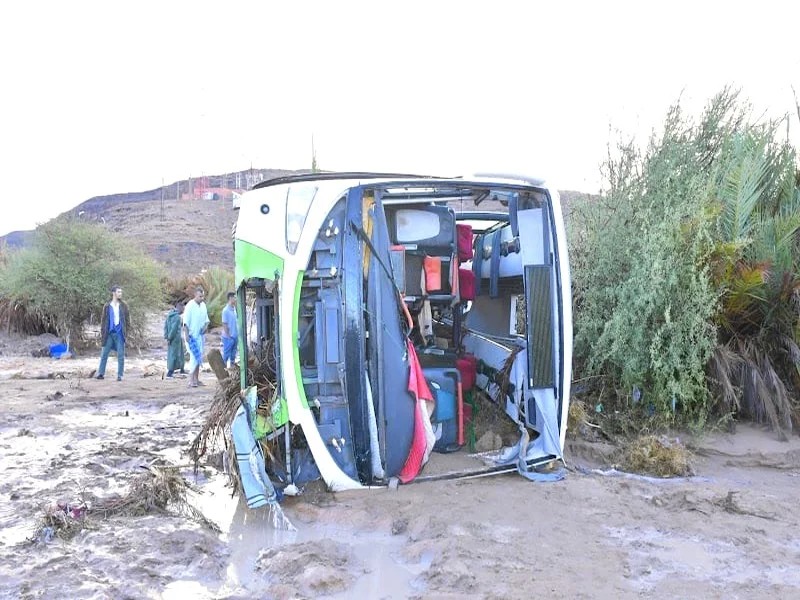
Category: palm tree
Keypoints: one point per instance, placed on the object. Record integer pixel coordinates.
(756, 367)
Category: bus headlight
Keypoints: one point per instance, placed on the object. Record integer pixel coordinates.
(298, 203)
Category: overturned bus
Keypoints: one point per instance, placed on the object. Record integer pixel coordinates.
(384, 301)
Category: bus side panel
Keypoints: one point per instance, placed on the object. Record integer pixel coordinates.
(388, 363)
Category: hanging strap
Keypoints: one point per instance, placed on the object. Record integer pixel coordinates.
(477, 262)
(494, 269)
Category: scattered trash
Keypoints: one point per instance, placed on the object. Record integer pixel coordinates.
(58, 351)
(63, 521)
(578, 423)
(25, 432)
(635, 476)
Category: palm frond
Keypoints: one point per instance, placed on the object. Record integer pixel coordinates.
(765, 398)
(723, 366)
(742, 184)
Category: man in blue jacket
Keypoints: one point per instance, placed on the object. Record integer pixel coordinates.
(113, 332)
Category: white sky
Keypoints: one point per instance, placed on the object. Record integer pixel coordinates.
(105, 97)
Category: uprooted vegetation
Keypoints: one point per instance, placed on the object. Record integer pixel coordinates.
(658, 456)
(157, 490)
(687, 276)
(227, 400)
(61, 521)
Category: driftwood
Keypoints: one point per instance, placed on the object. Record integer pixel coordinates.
(217, 365)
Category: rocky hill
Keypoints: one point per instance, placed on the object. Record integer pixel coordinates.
(184, 235)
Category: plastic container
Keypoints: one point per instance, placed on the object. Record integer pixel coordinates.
(448, 441)
(59, 350)
(445, 407)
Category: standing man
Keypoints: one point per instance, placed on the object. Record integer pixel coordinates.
(113, 331)
(230, 332)
(195, 323)
(172, 333)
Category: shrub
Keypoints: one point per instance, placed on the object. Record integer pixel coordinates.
(68, 271)
(644, 300)
(686, 271)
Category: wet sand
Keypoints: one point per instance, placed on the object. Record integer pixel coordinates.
(589, 536)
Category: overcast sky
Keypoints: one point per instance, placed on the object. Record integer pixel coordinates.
(105, 97)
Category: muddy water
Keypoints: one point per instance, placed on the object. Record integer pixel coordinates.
(319, 559)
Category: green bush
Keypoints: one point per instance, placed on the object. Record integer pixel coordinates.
(686, 271)
(69, 269)
(644, 302)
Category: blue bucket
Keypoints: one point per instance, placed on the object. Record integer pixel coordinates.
(57, 349)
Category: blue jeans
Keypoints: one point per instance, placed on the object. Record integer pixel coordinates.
(229, 350)
(115, 342)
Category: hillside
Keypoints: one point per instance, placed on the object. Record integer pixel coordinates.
(188, 235)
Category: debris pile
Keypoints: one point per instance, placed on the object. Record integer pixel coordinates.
(659, 456)
(227, 399)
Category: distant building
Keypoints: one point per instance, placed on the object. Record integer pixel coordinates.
(212, 193)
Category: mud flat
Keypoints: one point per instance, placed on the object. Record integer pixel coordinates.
(729, 532)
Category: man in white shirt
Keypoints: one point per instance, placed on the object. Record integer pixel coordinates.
(195, 324)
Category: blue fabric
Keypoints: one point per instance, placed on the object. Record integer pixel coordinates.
(229, 319)
(229, 350)
(258, 489)
(118, 327)
(196, 348)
